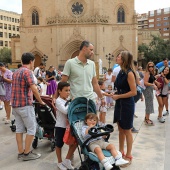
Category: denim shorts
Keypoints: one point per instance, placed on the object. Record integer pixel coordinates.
(25, 119)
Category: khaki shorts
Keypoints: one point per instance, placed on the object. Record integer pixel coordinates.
(98, 143)
(25, 119)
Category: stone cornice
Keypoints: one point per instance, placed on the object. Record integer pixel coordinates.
(96, 19)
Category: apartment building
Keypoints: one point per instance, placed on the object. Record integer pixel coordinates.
(160, 19)
(9, 26)
(142, 21)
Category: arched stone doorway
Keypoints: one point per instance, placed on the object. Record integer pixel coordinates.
(76, 53)
(37, 60)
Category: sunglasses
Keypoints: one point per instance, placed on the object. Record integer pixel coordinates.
(151, 66)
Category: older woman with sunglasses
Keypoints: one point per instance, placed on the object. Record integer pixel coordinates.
(150, 83)
(6, 76)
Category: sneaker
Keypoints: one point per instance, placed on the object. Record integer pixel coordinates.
(134, 130)
(121, 161)
(31, 156)
(1, 107)
(107, 165)
(161, 119)
(61, 166)
(20, 156)
(7, 121)
(166, 113)
(67, 164)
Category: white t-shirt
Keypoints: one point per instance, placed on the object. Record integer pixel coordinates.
(116, 71)
(37, 72)
(61, 115)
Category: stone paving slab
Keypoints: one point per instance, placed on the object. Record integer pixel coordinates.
(151, 147)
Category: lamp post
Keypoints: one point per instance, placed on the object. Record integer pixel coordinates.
(109, 57)
(44, 58)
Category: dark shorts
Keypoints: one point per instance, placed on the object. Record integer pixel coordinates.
(161, 95)
(59, 134)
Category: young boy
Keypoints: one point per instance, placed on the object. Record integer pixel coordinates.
(96, 145)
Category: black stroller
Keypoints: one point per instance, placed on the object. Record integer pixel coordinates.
(77, 111)
(46, 119)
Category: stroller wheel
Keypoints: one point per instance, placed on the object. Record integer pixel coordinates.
(13, 128)
(52, 146)
(84, 167)
(35, 143)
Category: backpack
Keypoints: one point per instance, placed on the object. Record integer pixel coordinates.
(161, 81)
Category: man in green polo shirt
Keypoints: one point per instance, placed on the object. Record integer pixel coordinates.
(80, 72)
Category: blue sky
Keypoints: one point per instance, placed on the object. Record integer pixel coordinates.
(141, 6)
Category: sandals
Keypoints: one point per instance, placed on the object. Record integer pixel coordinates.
(149, 122)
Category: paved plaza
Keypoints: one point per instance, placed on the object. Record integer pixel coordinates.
(151, 147)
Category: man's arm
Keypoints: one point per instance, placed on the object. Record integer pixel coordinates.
(36, 94)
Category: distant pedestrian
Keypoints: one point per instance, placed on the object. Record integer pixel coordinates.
(6, 79)
(51, 81)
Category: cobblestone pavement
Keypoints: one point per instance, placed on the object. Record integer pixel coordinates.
(151, 147)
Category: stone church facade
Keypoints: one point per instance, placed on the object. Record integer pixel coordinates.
(56, 28)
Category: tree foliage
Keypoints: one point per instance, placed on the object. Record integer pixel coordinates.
(5, 55)
(156, 50)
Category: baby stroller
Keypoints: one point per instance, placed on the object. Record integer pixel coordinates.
(77, 111)
(46, 119)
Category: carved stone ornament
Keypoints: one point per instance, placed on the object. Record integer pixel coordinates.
(58, 20)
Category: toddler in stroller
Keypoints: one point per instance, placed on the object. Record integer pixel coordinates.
(97, 144)
(77, 111)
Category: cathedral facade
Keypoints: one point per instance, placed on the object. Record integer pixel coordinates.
(56, 29)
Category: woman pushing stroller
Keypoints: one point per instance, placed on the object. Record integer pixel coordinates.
(97, 144)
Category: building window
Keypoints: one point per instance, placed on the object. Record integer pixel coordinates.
(9, 27)
(121, 15)
(166, 29)
(166, 10)
(12, 19)
(151, 25)
(158, 19)
(159, 12)
(151, 13)
(35, 18)
(158, 24)
(165, 18)
(5, 26)
(1, 34)
(166, 34)
(166, 23)
(9, 35)
(17, 28)
(6, 43)
(13, 27)
(151, 20)
(5, 34)
(1, 43)
(1, 25)
(1, 17)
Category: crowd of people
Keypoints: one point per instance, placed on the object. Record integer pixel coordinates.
(116, 91)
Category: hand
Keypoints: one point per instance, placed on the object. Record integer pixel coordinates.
(42, 103)
(115, 96)
(155, 87)
(162, 74)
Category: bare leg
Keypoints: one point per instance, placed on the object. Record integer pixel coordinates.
(28, 142)
(103, 117)
(99, 153)
(129, 142)
(19, 139)
(121, 139)
(58, 153)
(160, 105)
(112, 149)
(71, 150)
(165, 101)
(7, 109)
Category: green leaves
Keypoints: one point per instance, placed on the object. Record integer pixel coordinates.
(156, 50)
(5, 55)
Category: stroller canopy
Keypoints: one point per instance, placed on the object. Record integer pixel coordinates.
(79, 107)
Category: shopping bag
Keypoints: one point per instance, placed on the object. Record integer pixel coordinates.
(68, 138)
(2, 89)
